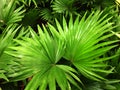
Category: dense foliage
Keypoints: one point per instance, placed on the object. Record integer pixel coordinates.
(59, 45)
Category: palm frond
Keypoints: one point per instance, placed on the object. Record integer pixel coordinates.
(9, 13)
(7, 37)
(46, 14)
(5, 41)
(38, 56)
(62, 6)
(85, 43)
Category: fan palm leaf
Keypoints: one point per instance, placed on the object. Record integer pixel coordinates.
(46, 14)
(85, 44)
(9, 13)
(5, 41)
(61, 6)
(38, 57)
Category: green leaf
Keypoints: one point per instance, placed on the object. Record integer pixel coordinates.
(110, 87)
(85, 43)
(9, 13)
(3, 76)
(61, 6)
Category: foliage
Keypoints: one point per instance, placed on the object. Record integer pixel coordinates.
(5, 40)
(11, 14)
(59, 44)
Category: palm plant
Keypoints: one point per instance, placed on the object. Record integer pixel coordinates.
(64, 54)
(80, 44)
